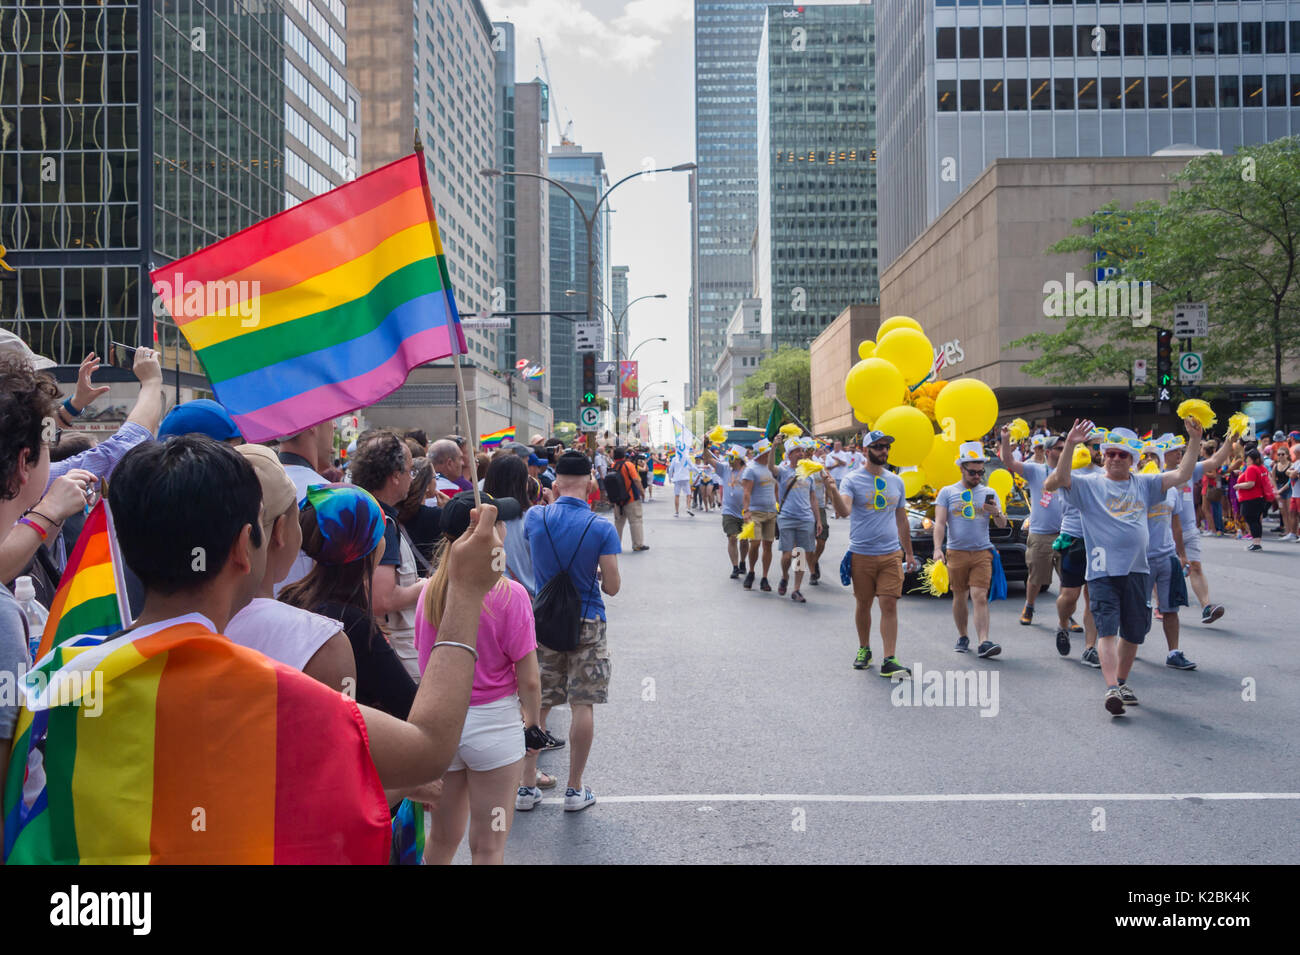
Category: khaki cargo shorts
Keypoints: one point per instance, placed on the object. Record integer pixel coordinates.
(764, 525)
(580, 675)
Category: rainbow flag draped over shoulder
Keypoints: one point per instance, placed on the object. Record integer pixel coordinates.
(175, 745)
(321, 309)
(660, 473)
(90, 603)
(496, 438)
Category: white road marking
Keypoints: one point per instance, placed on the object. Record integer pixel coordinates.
(933, 797)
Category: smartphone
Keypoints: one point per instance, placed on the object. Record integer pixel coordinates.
(121, 356)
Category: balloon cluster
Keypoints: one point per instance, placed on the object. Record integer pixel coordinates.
(893, 389)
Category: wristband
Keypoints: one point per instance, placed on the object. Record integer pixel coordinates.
(36, 527)
(72, 412)
(53, 523)
(463, 646)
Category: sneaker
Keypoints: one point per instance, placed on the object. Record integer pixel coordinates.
(1090, 658)
(749, 580)
(1211, 613)
(797, 597)
(1288, 537)
(1063, 643)
(1027, 616)
(735, 572)
(552, 742)
(963, 645)
(817, 572)
(764, 586)
(576, 800)
(863, 660)
(526, 798)
(692, 513)
(1114, 703)
(1074, 627)
(742, 566)
(781, 587)
(1179, 662)
(1127, 695)
(1254, 545)
(989, 649)
(892, 668)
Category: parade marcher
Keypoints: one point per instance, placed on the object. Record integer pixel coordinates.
(679, 475)
(1113, 509)
(1188, 538)
(1170, 587)
(1073, 566)
(819, 488)
(733, 502)
(963, 511)
(799, 522)
(880, 542)
(759, 505)
(1044, 516)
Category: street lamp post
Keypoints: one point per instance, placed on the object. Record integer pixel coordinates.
(618, 352)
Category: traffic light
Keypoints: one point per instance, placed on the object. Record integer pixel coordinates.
(665, 406)
(588, 378)
(1164, 370)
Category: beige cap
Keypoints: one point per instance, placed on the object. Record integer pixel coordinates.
(278, 491)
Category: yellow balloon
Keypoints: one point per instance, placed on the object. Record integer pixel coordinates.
(940, 465)
(897, 321)
(866, 349)
(874, 385)
(912, 433)
(863, 416)
(913, 482)
(909, 351)
(1000, 481)
(971, 405)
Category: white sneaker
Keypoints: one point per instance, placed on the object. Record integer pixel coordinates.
(526, 798)
(1288, 537)
(576, 800)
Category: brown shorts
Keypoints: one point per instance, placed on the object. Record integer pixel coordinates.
(764, 525)
(732, 526)
(1038, 557)
(970, 569)
(877, 575)
(580, 675)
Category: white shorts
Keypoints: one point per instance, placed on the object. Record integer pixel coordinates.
(681, 487)
(493, 736)
(1192, 547)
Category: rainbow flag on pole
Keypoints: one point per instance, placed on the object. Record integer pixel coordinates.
(91, 602)
(496, 438)
(178, 746)
(321, 309)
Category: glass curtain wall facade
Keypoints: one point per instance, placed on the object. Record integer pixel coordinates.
(725, 198)
(131, 134)
(816, 129)
(1085, 79)
(322, 134)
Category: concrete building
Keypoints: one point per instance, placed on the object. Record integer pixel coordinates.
(962, 85)
(746, 345)
(724, 190)
(831, 355)
(523, 215)
(816, 156)
(322, 137)
(430, 400)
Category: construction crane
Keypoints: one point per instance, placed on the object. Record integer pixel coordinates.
(566, 133)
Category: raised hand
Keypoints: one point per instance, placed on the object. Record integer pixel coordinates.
(86, 391)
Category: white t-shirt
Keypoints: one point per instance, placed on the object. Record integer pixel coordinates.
(450, 488)
(302, 478)
(281, 632)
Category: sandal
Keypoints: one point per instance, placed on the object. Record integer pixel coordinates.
(545, 780)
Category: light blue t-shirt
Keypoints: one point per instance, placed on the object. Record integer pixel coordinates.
(873, 531)
(733, 492)
(966, 533)
(1160, 532)
(1046, 510)
(1114, 517)
(1071, 522)
(762, 497)
(1187, 513)
(796, 499)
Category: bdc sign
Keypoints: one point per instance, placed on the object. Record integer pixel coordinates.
(1190, 366)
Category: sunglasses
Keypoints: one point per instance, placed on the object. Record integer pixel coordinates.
(877, 447)
(879, 501)
(1113, 453)
(973, 473)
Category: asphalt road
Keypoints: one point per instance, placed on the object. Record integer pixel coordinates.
(738, 731)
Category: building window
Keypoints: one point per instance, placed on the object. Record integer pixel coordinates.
(992, 43)
(945, 43)
(947, 94)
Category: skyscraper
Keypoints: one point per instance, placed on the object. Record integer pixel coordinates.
(816, 242)
(144, 132)
(617, 304)
(724, 192)
(963, 85)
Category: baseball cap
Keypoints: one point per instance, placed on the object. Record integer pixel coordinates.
(12, 344)
(520, 450)
(278, 492)
(537, 462)
(876, 437)
(455, 513)
(1278, 436)
(200, 416)
(350, 521)
(1294, 434)
(1051, 441)
(573, 463)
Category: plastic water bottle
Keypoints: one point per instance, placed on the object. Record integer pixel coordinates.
(25, 593)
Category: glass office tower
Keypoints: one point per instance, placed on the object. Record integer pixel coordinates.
(131, 134)
(963, 84)
(816, 129)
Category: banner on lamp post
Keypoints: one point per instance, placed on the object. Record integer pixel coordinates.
(627, 378)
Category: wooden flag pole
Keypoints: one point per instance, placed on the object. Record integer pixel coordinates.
(460, 379)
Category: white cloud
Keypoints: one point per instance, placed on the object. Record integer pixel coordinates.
(569, 30)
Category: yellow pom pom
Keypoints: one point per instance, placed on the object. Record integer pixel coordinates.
(1150, 468)
(1239, 424)
(934, 578)
(746, 532)
(1082, 456)
(808, 467)
(1019, 429)
(1198, 409)
(791, 430)
(718, 435)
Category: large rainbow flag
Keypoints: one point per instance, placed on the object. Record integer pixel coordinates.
(179, 746)
(660, 474)
(90, 603)
(496, 438)
(321, 309)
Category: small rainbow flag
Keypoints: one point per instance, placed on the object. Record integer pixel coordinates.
(91, 600)
(660, 475)
(179, 746)
(1149, 434)
(496, 438)
(321, 309)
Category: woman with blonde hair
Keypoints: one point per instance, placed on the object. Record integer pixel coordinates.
(495, 746)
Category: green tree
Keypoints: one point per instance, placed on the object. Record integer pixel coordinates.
(789, 367)
(704, 415)
(566, 431)
(1229, 235)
